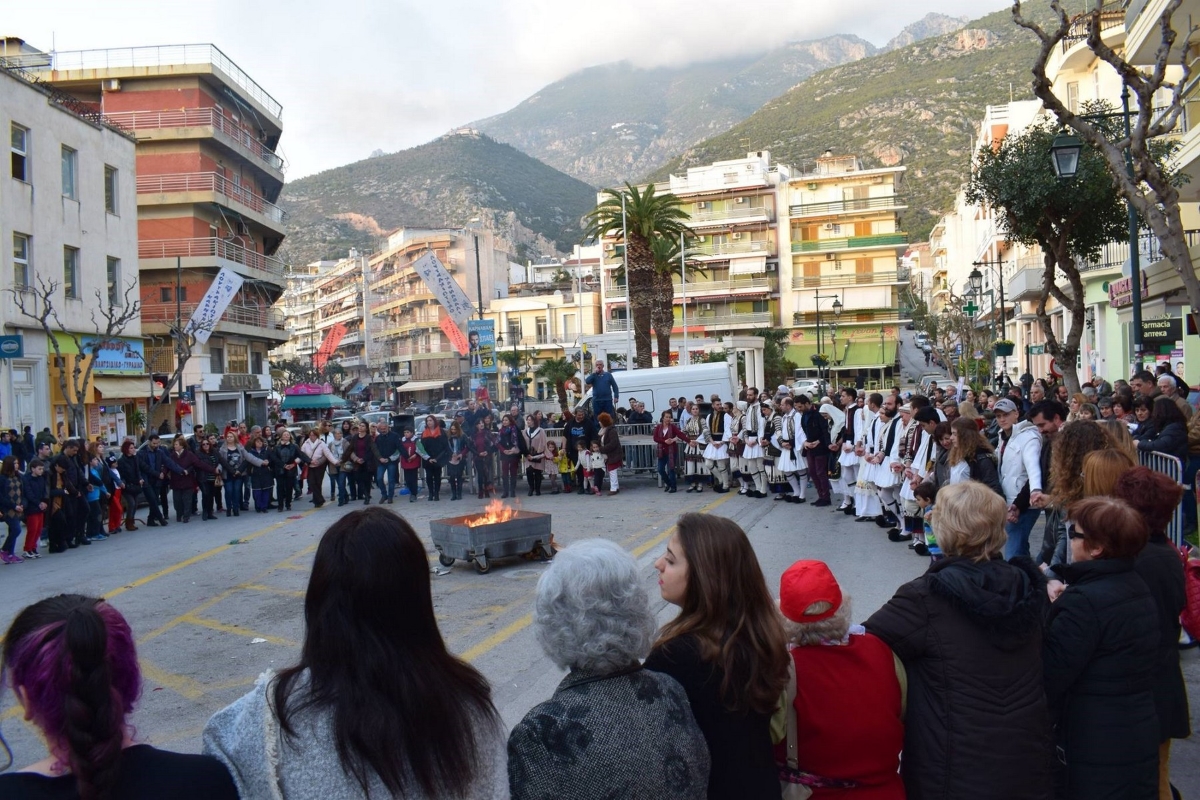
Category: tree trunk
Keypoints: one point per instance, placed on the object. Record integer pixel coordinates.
(1065, 353)
(560, 387)
(1168, 227)
(639, 282)
(664, 316)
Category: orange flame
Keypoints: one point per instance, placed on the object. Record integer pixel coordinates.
(496, 512)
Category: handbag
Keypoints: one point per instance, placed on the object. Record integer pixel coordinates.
(218, 481)
(1190, 618)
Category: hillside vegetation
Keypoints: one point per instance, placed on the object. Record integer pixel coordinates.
(444, 183)
(919, 106)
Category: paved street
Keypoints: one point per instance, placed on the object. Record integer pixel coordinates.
(211, 614)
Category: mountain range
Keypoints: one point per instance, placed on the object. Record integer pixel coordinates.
(617, 122)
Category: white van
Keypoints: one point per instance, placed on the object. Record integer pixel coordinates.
(655, 387)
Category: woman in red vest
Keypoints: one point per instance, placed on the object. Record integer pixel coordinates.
(849, 702)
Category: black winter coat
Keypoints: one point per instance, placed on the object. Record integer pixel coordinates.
(970, 637)
(1160, 567)
(1172, 440)
(1100, 650)
(983, 469)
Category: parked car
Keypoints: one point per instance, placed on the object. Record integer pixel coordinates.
(807, 386)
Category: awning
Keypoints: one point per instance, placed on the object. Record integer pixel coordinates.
(348, 383)
(748, 266)
(358, 387)
(312, 401)
(422, 386)
(112, 387)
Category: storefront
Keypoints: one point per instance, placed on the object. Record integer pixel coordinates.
(307, 402)
(115, 400)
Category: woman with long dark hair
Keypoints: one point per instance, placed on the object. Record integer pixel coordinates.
(509, 444)
(434, 450)
(456, 464)
(376, 705)
(1167, 430)
(72, 664)
(726, 648)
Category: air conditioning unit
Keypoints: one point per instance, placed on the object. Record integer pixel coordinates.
(609, 247)
(701, 239)
(739, 200)
(829, 226)
(736, 236)
(831, 256)
(702, 204)
(706, 306)
(110, 85)
(242, 228)
(879, 179)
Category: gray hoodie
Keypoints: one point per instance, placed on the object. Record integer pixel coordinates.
(246, 738)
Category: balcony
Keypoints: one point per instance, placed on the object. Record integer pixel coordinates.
(890, 203)
(700, 287)
(210, 248)
(849, 279)
(876, 242)
(711, 249)
(709, 321)
(256, 321)
(734, 213)
(228, 193)
(350, 362)
(241, 140)
(141, 61)
(1026, 284)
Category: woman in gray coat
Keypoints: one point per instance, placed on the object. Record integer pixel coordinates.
(612, 728)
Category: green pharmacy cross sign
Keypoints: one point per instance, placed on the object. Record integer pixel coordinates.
(970, 308)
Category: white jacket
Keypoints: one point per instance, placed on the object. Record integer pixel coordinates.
(1021, 460)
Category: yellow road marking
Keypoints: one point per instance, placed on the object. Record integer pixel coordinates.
(180, 684)
(501, 636)
(182, 618)
(258, 587)
(213, 624)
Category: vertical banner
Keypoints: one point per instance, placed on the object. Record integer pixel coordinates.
(481, 344)
(216, 300)
(454, 333)
(444, 287)
(329, 346)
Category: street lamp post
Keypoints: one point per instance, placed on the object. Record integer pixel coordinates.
(998, 328)
(837, 312)
(1065, 152)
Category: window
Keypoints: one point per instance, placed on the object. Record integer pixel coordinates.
(110, 189)
(237, 359)
(164, 294)
(71, 272)
(20, 260)
(216, 358)
(113, 279)
(761, 306)
(256, 362)
(182, 291)
(68, 172)
(20, 152)
(1073, 96)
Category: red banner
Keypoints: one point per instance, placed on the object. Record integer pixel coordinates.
(455, 335)
(329, 346)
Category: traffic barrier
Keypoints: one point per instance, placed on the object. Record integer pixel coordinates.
(1172, 467)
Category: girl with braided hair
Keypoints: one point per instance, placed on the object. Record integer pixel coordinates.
(72, 664)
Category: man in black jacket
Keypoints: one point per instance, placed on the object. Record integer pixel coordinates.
(816, 447)
(152, 463)
(386, 450)
(577, 431)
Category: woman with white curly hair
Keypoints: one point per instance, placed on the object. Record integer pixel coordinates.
(612, 728)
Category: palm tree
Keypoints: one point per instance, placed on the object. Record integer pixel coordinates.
(646, 215)
(662, 313)
(556, 372)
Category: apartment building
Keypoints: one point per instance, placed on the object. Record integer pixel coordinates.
(844, 275)
(68, 216)
(299, 307)
(208, 176)
(410, 355)
(732, 211)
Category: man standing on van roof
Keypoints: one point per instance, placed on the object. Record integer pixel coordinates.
(605, 391)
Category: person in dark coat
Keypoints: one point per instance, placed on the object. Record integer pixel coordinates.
(182, 466)
(152, 464)
(1101, 646)
(286, 459)
(1154, 497)
(1167, 430)
(969, 634)
(612, 728)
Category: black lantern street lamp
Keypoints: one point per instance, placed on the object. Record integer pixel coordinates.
(1064, 154)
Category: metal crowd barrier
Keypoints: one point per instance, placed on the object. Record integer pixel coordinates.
(1172, 467)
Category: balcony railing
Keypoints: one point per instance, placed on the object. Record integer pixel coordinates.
(209, 247)
(253, 316)
(701, 286)
(711, 248)
(847, 206)
(209, 182)
(163, 56)
(849, 243)
(1112, 15)
(730, 212)
(713, 320)
(196, 118)
(849, 278)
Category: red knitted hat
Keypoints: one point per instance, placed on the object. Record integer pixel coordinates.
(805, 583)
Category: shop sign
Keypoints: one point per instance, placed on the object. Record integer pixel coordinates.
(12, 346)
(1159, 332)
(240, 383)
(1120, 292)
(115, 356)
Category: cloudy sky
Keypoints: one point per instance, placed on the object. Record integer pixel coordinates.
(358, 75)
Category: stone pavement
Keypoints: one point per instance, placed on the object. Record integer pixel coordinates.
(214, 604)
